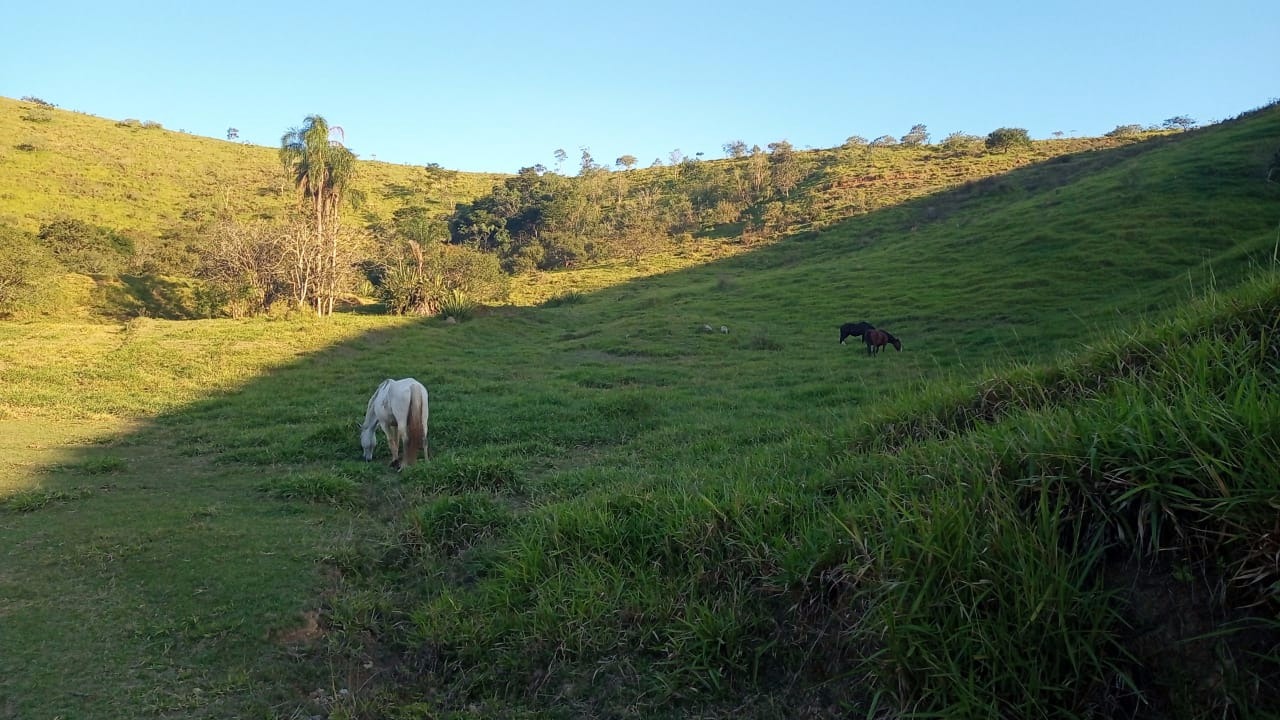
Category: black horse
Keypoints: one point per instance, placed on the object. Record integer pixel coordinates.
(876, 339)
(854, 329)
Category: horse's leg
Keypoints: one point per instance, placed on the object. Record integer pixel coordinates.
(393, 441)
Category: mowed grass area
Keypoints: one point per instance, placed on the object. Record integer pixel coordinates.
(627, 516)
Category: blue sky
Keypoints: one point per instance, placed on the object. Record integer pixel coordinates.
(481, 85)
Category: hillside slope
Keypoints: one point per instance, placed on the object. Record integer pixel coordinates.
(626, 516)
(137, 177)
(161, 188)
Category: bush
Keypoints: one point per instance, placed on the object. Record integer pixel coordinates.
(1003, 139)
(26, 271)
(1125, 131)
(568, 297)
(422, 282)
(958, 142)
(84, 248)
(458, 306)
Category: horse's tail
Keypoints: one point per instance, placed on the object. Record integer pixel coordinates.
(417, 424)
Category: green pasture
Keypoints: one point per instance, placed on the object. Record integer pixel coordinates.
(628, 516)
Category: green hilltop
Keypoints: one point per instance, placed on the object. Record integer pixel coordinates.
(136, 176)
(1057, 500)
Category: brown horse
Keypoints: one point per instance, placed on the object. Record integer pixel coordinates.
(877, 339)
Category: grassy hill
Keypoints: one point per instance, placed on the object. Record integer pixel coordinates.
(1058, 500)
(161, 188)
(136, 176)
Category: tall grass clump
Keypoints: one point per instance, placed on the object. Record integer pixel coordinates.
(1004, 558)
(458, 306)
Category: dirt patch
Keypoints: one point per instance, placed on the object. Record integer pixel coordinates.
(1193, 647)
(307, 633)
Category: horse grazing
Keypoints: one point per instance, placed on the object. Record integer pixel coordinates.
(399, 407)
(854, 329)
(876, 339)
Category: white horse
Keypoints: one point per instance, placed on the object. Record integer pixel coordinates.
(400, 408)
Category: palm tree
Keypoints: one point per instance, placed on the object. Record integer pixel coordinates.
(322, 170)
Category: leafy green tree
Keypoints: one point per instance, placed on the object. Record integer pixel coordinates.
(626, 162)
(918, 135)
(1179, 122)
(784, 167)
(587, 165)
(735, 149)
(322, 170)
(884, 141)
(417, 223)
(757, 171)
(1005, 139)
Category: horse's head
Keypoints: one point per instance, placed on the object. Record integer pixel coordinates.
(895, 342)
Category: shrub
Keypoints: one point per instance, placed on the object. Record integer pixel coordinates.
(1125, 131)
(85, 248)
(26, 271)
(1003, 139)
(458, 306)
(422, 282)
(568, 297)
(958, 141)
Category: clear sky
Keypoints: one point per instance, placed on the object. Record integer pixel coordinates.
(486, 85)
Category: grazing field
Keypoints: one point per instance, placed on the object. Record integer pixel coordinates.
(627, 516)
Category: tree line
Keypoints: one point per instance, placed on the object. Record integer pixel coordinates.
(422, 259)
